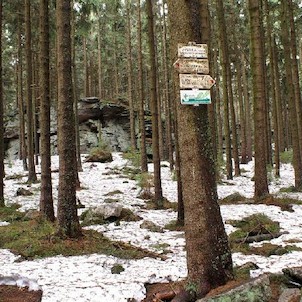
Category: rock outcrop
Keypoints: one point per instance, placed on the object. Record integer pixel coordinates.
(97, 120)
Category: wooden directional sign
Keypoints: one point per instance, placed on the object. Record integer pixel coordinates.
(195, 97)
(196, 81)
(193, 51)
(192, 66)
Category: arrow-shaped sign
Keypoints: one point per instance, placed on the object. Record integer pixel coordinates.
(192, 66)
(196, 81)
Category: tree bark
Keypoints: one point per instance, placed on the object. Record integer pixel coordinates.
(46, 200)
(144, 161)
(208, 255)
(32, 177)
(261, 185)
(22, 139)
(154, 109)
(2, 204)
(225, 87)
(129, 74)
(291, 98)
(68, 221)
(295, 70)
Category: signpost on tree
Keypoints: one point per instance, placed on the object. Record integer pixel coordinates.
(193, 67)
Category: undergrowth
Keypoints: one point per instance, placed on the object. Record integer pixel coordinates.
(37, 239)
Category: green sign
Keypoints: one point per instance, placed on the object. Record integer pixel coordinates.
(195, 97)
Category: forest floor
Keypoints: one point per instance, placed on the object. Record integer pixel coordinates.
(16, 294)
(89, 278)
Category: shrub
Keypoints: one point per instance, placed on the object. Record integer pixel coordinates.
(286, 157)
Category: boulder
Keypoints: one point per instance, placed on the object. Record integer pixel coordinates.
(100, 157)
(290, 295)
(23, 192)
(252, 291)
(108, 210)
(88, 108)
(101, 214)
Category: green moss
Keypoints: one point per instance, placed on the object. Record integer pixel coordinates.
(38, 239)
(233, 198)
(253, 225)
(290, 189)
(11, 213)
(256, 224)
(117, 269)
(286, 157)
(133, 157)
(15, 176)
(174, 226)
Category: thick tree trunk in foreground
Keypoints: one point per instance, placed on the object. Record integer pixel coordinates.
(69, 225)
(208, 255)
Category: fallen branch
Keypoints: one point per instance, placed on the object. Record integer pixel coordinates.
(258, 238)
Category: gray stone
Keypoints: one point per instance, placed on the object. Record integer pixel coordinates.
(23, 192)
(255, 290)
(115, 127)
(290, 295)
(108, 210)
(151, 226)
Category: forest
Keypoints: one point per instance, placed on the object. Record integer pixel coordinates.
(219, 82)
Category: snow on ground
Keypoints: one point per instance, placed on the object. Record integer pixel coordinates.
(88, 278)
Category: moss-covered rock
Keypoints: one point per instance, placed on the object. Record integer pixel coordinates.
(252, 291)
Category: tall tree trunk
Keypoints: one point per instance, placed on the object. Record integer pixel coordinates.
(115, 48)
(208, 255)
(68, 221)
(2, 204)
(273, 89)
(32, 177)
(244, 158)
(36, 108)
(219, 150)
(261, 185)
(100, 62)
(144, 162)
(295, 70)
(75, 98)
(129, 74)
(46, 201)
(225, 91)
(276, 104)
(167, 93)
(22, 139)
(279, 107)
(154, 108)
(291, 97)
(86, 73)
(248, 118)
